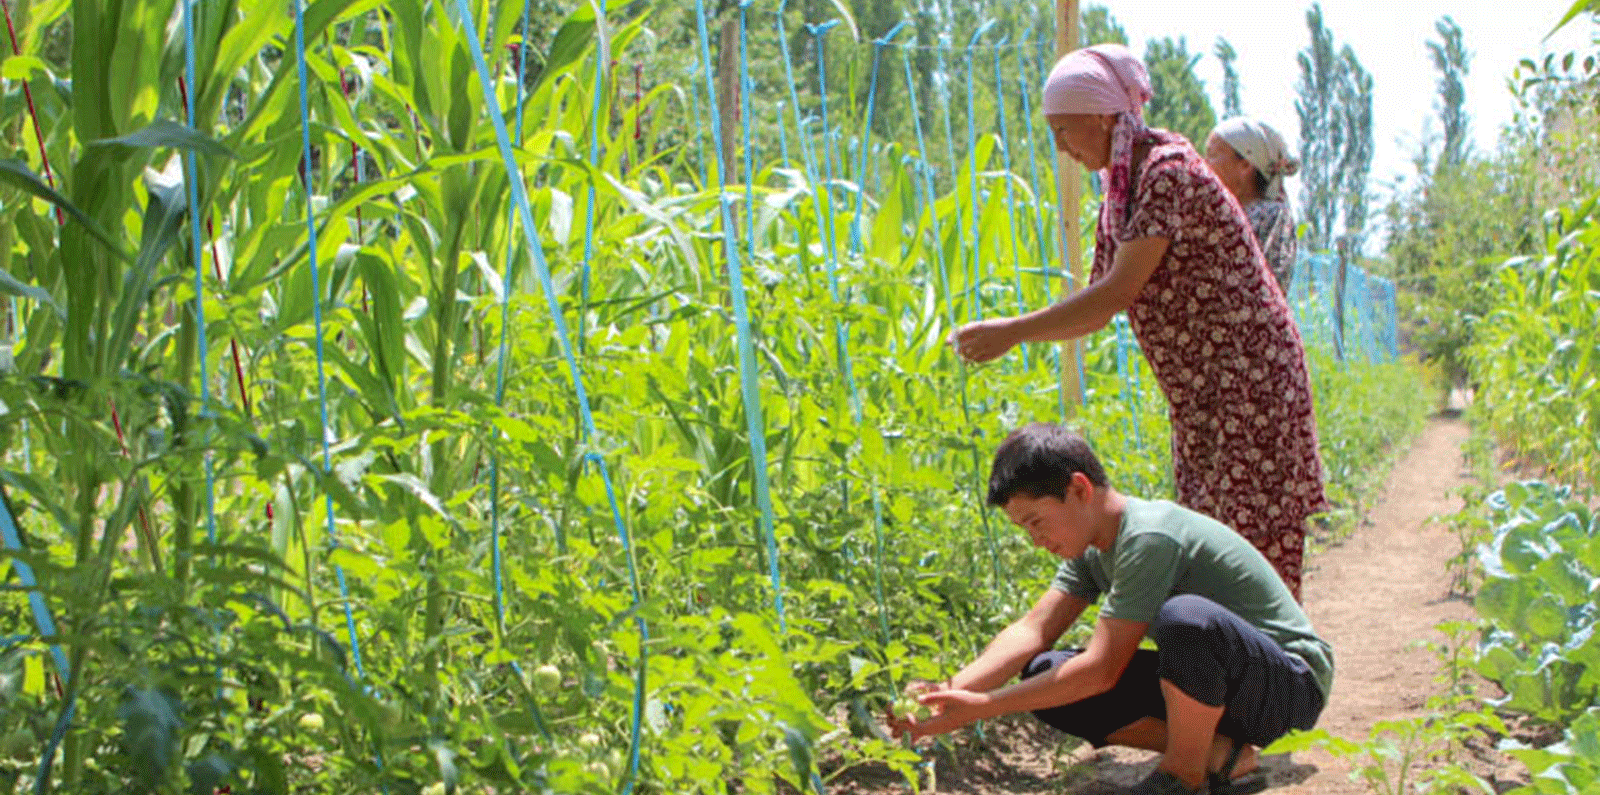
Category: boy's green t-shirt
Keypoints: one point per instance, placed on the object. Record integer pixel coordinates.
(1163, 550)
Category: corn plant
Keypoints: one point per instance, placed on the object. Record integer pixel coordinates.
(305, 522)
(1535, 352)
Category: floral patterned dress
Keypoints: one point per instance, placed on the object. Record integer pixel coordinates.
(1273, 223)
(1219, 336)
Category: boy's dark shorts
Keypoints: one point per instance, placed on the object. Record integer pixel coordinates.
(1212, 655)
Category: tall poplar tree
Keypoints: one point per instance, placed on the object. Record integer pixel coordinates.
(1178, 99)
(1450, 57)
(1355, 160)
(1335, 110)
(1097, 26)
(1230, 79)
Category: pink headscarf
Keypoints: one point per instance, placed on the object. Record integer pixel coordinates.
(1105, 78)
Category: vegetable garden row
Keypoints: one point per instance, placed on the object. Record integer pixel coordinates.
(1535, 356)
(468, 439)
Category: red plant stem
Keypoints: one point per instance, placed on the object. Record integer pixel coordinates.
(216, 268)
(33, 113)
(355, 161)
(638, 99)
(44, 158)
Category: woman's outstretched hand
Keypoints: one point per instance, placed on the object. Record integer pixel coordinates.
(984, 340)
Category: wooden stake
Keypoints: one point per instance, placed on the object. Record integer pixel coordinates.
(1069, 186)
(728, 99)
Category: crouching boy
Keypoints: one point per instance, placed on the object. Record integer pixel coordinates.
(1236, 663)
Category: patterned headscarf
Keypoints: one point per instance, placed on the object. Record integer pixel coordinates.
(1104, 79)
(1264, 148)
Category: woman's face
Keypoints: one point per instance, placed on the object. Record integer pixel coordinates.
(1085, 137)
(1234, 171)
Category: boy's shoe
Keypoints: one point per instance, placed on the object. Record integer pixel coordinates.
(1222, 781)
(1162, 783)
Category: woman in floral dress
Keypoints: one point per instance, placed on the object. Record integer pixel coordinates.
(1252, 160)
(1173, 248)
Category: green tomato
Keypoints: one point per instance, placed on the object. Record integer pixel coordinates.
(311, 722)
(909, 707)
(18, 744)
(547, 679)
(589, 740)
(390, 715)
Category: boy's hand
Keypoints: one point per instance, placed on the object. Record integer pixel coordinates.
(947, 709)
(952, 709)
(906, 711)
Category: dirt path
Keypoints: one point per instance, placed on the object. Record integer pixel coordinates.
(1376, 597)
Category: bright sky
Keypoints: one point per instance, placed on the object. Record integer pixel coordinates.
(1390, 40)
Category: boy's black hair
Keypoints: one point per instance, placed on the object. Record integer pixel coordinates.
(1038, 460)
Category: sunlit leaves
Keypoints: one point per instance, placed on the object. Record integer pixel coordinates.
(1536, 350)
(1537, 598)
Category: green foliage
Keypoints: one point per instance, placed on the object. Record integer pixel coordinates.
(1178, 100)
(1444, 234)
(1419, 754)
(1524, 327)
(1445, 245)
(1355, 156)
(198, 663)
(1554, 130)
(1569, 767)
(1471, 529)
(1537, 597)
(1230, 79)
(1536, 349)
(1454, 227)
(1578, 7)
(1538, 644)
(1317, 91)
(1358, 433)
(1405, 756)
(1334, 105)
(1099, 27)
(1451, 59)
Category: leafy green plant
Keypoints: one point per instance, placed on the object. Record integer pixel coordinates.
(1455, 660)
(1424, 753)
(1471, 528)
(1565, 767)
(1418, 755)
(1537, 348)
(1362, 434)
(1407, 756)
(1537, 597)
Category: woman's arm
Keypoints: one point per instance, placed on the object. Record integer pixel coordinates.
(1084, 312)
(1090, 309)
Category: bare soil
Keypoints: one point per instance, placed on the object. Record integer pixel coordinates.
(1376, 596)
